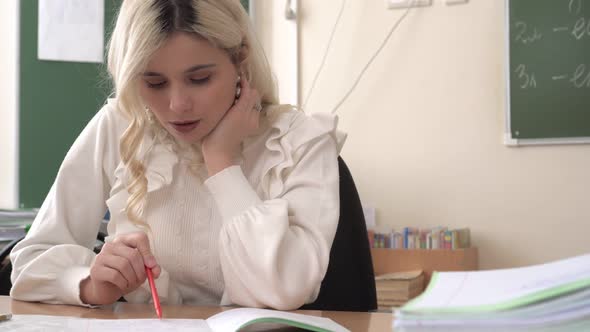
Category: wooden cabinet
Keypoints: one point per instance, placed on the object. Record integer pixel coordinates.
(428, 260)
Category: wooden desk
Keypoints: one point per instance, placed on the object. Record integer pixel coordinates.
(354, 321)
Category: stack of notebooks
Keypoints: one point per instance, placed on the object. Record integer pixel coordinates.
(555, 294)
(14, 224)
(23, 214)
(395, 289)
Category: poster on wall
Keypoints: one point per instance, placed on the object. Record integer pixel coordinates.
(71, 30)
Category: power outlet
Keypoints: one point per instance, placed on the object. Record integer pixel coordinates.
(455, 2)
(394, 4)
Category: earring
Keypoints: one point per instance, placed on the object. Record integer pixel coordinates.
(149, 115)
(238, 86)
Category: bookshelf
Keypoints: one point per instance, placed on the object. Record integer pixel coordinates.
(428, 260)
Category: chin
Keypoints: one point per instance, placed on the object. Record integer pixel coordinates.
(188, 140)
(185, 138)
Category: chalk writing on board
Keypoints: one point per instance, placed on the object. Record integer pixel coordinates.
(580, 78)
(581, 28)
(526, 35)
(527, 79)
(575, 7)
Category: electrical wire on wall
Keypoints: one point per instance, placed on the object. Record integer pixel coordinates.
(358, 79)
(362, 73)
(317, 74)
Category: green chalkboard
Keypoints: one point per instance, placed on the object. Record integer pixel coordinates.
(56, 99)
(549, 63)
(246, 4)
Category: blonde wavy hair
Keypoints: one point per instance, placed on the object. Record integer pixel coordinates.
(142, 27)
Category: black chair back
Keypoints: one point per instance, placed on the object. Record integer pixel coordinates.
(6, 266)
(349, 284)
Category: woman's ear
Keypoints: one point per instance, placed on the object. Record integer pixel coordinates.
(240, 61)
(242, 55)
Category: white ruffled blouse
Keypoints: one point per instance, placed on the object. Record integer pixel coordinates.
(255, 234)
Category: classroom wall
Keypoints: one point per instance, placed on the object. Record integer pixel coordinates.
(8, 103)
(425, 128)
(280, 40)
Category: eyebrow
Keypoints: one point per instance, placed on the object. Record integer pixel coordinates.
(188, 71)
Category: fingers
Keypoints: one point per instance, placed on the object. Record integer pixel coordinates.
(249, 98)
(105, 274)
(119, 265)
(140, 241)
(122, 262)
(129, 261)
(249, 106)
(223, 144)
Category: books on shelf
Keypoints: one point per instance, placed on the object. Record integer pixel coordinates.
(556, 293)
(395, 289)
(415, 238)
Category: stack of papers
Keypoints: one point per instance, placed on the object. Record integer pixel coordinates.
(9, 215)
(13, 230)
(553, 294)
(14, 224)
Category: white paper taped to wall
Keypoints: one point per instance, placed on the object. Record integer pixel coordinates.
(71, 30)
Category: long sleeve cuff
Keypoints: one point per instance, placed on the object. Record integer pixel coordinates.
(232, 192)
(70, 284)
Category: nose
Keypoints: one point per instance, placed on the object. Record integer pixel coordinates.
(180, 100)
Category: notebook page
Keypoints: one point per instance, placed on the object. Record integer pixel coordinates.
(232, 320)
(36, 323)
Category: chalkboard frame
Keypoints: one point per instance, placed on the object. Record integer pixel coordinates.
(509, 139)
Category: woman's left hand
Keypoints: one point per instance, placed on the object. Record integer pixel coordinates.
(222, 145)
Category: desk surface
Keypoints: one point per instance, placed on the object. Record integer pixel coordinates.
(354, 321)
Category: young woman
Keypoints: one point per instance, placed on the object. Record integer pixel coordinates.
(226, 195)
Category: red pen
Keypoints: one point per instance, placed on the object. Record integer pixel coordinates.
(155, 296)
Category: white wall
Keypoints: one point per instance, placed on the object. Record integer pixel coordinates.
(8, 103)
(280, 39)
(426, 123)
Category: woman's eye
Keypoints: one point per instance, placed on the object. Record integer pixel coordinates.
(200, 80)
(155, 84)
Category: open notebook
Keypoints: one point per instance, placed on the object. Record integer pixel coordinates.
(226, 321)
(539, 295)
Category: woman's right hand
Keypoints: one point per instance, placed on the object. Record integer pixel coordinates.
(223, 144)
(118, 269)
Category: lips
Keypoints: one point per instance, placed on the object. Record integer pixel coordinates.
(185, 126)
